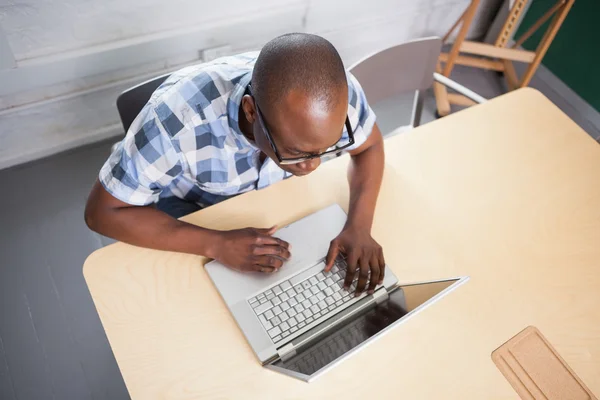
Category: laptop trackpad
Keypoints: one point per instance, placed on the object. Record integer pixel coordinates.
(346, 337)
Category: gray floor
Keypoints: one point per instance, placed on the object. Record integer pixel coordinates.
(52, 344)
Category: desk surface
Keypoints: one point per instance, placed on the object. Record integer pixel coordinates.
(506, 192)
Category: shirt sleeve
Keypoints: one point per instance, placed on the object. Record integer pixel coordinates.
(143, 163)
(361, 116)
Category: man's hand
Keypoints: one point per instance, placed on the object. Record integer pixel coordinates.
(251, 249)
(363, 254)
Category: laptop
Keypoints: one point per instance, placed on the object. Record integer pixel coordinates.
(300, 321)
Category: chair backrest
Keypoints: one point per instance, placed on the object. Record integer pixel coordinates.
(399, 69)
(131, 101)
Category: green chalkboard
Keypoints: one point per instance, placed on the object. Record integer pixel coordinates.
(574, 55)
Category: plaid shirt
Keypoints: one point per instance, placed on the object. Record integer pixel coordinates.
(186, 142)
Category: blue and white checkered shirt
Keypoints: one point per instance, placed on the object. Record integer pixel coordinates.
(186, 142)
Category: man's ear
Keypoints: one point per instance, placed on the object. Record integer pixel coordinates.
(249, 108)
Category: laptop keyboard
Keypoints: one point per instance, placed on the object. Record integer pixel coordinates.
(296, 305)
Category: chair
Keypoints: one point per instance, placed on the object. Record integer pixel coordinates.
(404, 68)
(131, 101)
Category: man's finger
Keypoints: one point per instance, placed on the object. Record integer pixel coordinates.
(272, 250)
(267, 231)
(262, 268)
(352, 261)
(332, 254)
(270, 240)
(375, 272)
(381, 266)
(363, 275)
(269, 261)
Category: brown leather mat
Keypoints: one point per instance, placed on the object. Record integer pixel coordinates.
(536, 371)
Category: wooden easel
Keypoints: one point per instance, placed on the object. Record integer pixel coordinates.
(499, 55)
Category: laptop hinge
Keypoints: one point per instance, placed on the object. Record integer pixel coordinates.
(286, 352)
(289, 350)
(380, 295)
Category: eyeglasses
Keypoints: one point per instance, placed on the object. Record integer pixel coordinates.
(295, 160)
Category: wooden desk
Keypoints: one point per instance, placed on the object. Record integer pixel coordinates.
(507, 192)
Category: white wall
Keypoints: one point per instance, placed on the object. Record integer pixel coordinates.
(67, 60)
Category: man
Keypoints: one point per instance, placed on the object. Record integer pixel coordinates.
(237, 124)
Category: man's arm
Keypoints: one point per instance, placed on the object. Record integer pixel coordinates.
(362, 253)
(243, 249)
(364, 175)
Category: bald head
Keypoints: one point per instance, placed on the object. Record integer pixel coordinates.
(301, 63)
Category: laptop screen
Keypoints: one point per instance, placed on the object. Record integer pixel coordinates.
(359, 328)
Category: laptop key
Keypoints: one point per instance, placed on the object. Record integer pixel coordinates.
(313, 280)
(263, 307)
(321, 285)
(337, 296)
(277, 339)
(283, 316)
(332, 307)
(292, 302)
(329, 282)
(301, 324)
(277, 310)
(321, 296)
(299, 308)
(292, 321)
(294, 329)
(309, 320)
(307, 313)
(318, 315)
(270, 296)
(277, 290)
(263, 300)
(291, 312)
(300, 317)
(322, 305)
(314, 300)
(291, 292)
(306, 304)
(300, 298)
(284, 326)
(268, 325)
(275, 331)
(276, 301)
(314, 290)
(276, 321)
(269, 314)
(321, 276)
(329, 301)
(285, 286)
(307, 294)
(314, 309)
(284, 297)
(285, 306)
(306, 284)
(328, 291)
